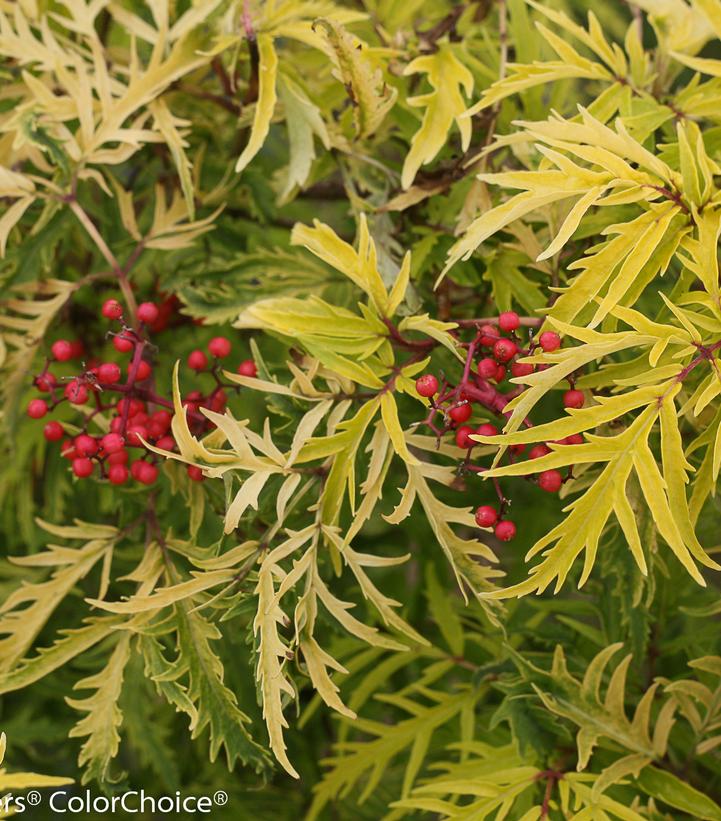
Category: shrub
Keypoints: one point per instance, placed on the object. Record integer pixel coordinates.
(330, 333)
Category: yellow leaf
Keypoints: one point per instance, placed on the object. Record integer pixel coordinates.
(264, 107)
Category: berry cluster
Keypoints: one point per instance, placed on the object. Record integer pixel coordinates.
(492, 357)
(124, 399)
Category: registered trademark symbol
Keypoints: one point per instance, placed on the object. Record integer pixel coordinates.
(221, 798)
(34, 798)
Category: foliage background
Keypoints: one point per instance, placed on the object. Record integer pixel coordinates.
(185, 149)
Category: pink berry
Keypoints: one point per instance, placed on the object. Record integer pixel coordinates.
(487, 368)
(82, 467)
(537, 451)
(108, 373)
(147, 312)
(123, 344)
(248, 368)
(119, 458)
(53, 431)
(118, 474)
(486, 516)
(145, 472)
(67, 451)
(487, 429)
(573, 399)
(62, 350)
(197, 360)
(46, 382)
(144, 370)
(135, 432)
(462, 439)
(165, 443)
(37, 408)
(508, 321)
(461, 413)
(427, 385)
(500, 374)
(550, 481)
(505, 530)
(135, 406)
(505, 349)
(76, 392)
(195, 473)
(86, 445)
(522, 368)
(162, 418)
(112, 309)
(550, 341)
(219, 346)
(112, 443)
(489, 335)
(77, 349)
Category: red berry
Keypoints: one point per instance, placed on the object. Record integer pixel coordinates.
(82, 467)
(135, 406)
(500, 374)
(112, 309)
(144, 370)
(517, 449)
(508, 321)
(427, 385)
(62, 350)
(460, 413)
(195, 473)
(522, 368)
(162, 418)
(113, 443)
(248, 368)
(118, 474)
(505, 530)
(108, 373)
(147, 312)
(135, 432)
(165, 443)
(462, 439)
(505, 349)
(76, 392)
(86, 445)
(145, 472)
(218, 402)
(123, 344)
(489, 335)
(537, 451)
(487, 429)
(197, 360)
(219, 346)
(46, 382)
(550, 341)
(486, 516)
(487, 368)
(67, 451)
(574, 439)
(550, 481)
(37, 408)
(77, 349)
(118, 458)
(573, 399)
(53, 431)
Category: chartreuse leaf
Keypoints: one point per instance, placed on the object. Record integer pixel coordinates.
(23, 781)
(443, 106)
(669, 789)
(265, 106)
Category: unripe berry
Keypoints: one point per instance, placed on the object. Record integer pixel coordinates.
(112, 309)
(147, 312)
(119, 458)
(573, 399)
(37, 408)
(62, 350)
(505, 349)
(118, 474)
(522, 368)
(146, 472)
(461, 413)
(108, 373)
(197, 360)
(248, 368)
(487, 368)
(144, 370)
(489, 335)
(165, 443)
(76, 392)
(195, 473)
(537, 451)
(53, 431)
(219, 346)
(550, 341)
(427, 385)
(86, 445)
(550, 481)
(123, 344)
(487, 429)
(46, 382)
(505, 530)
(112, 443)
(462, 439)
(82, 467)
(508, 321)
(486, 516)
